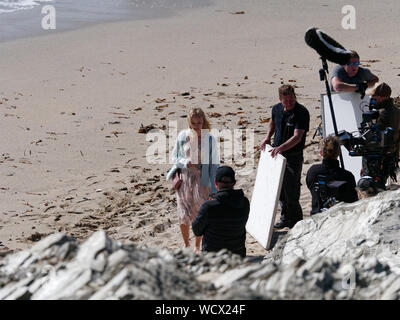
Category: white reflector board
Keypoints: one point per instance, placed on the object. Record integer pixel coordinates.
(264, 200)
(348, 108)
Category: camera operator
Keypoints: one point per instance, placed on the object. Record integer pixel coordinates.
(389, 117)
(351, 77)
(327, 181)
(389, 114)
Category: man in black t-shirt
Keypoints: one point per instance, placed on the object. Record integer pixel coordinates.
(289, 124)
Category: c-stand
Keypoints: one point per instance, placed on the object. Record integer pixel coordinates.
(323, 76)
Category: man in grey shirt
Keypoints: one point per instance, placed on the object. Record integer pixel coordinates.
(351, 77)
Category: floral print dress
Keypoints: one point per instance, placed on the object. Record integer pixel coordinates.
(191, 194)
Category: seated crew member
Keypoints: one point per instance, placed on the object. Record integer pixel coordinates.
(389, 116)
(222, 221)
(351, 77)
(330, 151)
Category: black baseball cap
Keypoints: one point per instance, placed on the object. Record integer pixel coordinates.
(225, 171)
(366, 182)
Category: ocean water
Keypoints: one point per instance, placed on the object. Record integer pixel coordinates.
(7, 6)
(23, 18)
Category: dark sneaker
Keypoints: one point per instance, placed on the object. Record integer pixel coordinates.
(291, 225)
(282, 224)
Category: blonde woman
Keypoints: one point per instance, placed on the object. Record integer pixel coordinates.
(342, 182)
(196, 155)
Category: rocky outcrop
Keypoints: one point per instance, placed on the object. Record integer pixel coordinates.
(100, 268)
(346, 232)
(347, 252)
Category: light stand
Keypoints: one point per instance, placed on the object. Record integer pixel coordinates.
(323, 76)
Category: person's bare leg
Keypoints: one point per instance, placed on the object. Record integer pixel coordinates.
(185, 234)
(197, 245)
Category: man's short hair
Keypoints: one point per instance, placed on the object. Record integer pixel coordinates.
(286, 90)
(382, 90)
(354, 54)
(225, 174)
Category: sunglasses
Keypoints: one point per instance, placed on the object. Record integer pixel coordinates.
(354, 64)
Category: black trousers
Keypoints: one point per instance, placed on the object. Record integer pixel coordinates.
(290, 192)
(382, 167)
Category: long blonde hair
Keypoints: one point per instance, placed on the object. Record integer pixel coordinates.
(197, 112)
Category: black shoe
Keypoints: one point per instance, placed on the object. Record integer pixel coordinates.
(282, 224)
(292, 224)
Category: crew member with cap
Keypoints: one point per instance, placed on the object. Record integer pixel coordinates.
(222, 221)
(367, 187)
(389, 116)
(351, 77)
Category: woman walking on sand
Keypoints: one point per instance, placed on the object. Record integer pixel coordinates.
(196, 155)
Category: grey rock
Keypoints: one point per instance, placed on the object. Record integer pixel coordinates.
(7, 289)
(99, 263)
(393, 291)
(338, 232)
(64, 286)
(13, 262)
(97, 243)
(264, 273)
(117, 257)
(124, 292)
(223, 268)
(111, 286)
(234, 275)
(22, 293)
(48, 242)
(10, 289)
(37, 284)
(347, 252)
(208, 276)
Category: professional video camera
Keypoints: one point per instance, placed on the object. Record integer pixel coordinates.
(373, 144)
(329, 191)
(370, 140)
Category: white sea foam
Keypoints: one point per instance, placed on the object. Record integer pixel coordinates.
(15, 5)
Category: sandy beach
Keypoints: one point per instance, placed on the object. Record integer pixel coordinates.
(71, 105)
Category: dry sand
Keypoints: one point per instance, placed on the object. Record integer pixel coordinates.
(71, 104)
